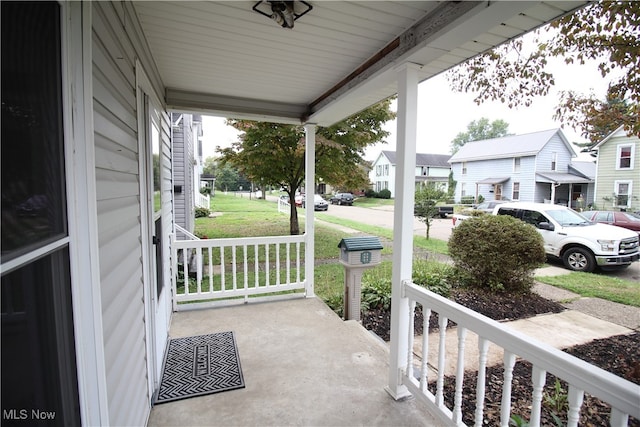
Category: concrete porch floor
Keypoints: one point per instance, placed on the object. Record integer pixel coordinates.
(302, 366)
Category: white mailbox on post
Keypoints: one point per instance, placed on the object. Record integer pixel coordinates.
(357, 254)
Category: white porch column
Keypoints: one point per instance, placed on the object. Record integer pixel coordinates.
(407, 116)
(310, 191)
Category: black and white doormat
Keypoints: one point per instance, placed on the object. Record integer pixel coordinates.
(200, 365)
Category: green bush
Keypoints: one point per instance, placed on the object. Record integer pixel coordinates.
(467, 200)
(336, 303)
(376, 293)
(370, 193)
(384, 194)
(434, 276)
(500, 252)
(202, 212)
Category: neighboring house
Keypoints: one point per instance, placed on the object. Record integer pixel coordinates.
(535, 167)
(430, 168)
(186, 133)
(618, 172)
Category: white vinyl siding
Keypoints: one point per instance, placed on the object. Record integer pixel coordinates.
(116, 45)
(183, 173)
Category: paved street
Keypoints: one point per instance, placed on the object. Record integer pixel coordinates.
(382, 216)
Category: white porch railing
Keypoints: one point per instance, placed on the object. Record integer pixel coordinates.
(211, 270)
(202, 200)
(283, 206)
(622, 395)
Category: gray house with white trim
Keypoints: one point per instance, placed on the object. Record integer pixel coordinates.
(534, 167)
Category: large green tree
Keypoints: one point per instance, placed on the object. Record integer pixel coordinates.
(478, 130)
(607, 32)
(274, 153)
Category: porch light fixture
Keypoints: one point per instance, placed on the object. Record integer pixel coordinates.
(283, 12)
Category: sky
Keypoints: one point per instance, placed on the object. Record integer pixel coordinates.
(443, 113)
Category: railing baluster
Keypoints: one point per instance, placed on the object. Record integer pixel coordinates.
(277, 264)
(442, 324)
(425, 349)
(222, 272)
(199, 270)
(288, 263)
(245, 257)
(185, 270)
(618, 418)
(210, 268)
(297, 262)
(410, 337)
(457, 408)
(483, 348)
(234, 267)
(266, 262)
(256, 263)
(538, 378)
(505, 408)
(575, 402)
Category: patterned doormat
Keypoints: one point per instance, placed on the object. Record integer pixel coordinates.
(195, 366)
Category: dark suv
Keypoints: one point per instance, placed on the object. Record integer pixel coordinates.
(342, 199)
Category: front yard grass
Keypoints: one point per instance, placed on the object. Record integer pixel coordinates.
(242, 217)
(597, 285)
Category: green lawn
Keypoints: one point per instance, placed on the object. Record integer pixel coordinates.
(242, 217)
(598, 286)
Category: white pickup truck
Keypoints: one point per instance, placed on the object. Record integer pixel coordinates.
(582, 245)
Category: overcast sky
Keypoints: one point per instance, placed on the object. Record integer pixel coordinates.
(443, 113)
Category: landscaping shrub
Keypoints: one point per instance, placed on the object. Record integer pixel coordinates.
(370, 193)
(336, 303)
(376, 293)
(202, 212)
(467, 200)
(434, 276)
(384, 194)
(500, 252)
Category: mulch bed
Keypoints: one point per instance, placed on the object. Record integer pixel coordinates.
(619, 355)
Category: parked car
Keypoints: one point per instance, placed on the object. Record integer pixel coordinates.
(487, 206)
(299, 200)
(319, 204)
(342, 199)
(581, 244)
(621, 219)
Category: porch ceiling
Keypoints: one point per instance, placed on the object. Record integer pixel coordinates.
(223, 58)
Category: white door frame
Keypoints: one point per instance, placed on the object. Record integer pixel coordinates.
(156, 329)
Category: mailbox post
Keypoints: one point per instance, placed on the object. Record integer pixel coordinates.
(357, 254)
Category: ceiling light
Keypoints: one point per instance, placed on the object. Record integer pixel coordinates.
(283, 12)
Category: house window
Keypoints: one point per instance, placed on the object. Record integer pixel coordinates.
(378, 170)
(625, 157)
(463, 189)
(554, 160)
(39, 369)
(516, 164)
(386, 170)
(622, 190)
(464, 168)
(516, 191)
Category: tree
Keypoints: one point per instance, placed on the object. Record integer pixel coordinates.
(426, 198)
(274, 154)
(210, 166)
(606, 32)
(479, 130)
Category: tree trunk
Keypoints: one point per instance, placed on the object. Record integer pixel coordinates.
(294, 226)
